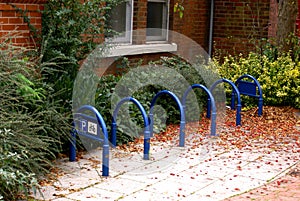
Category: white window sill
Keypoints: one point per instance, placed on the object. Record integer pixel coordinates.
(124, 50)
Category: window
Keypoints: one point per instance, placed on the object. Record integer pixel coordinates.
(121, 21)
(157, 20)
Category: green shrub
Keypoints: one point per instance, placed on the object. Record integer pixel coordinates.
(191, 75)
(31, 130)
(126, 130)
(103, 96)
(71, 30)
(279, 78)
(16, 174)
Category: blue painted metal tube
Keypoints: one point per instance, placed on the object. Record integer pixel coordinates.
(238, 114)
(260, 93)
(232, 105)
(114, 133)
(260, 106)
(182, 134)
(213, 123)
(105, 153)
(105, 160)
(208, 110)
(151, 121)
(146, 123)
(146, 149)
(236, 92)
(210, 105)
(182, 116)
(72, 156)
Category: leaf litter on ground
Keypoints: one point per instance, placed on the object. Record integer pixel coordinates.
(276, 129)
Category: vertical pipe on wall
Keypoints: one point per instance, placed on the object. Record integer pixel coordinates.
(211, 24)
(298, 20)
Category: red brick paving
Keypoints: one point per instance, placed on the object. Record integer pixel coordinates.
(286, 188)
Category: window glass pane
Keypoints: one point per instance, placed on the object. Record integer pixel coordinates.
(120, 23)
(155, 16)
(118, 18)
(157, 20)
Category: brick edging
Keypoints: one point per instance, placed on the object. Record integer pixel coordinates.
(25, 1)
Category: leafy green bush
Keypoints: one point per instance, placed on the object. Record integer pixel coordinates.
(191, 75)
(71, 30)
(127, 131)
(279, 78)
(144, 95)
(31, 130)
(16, 170)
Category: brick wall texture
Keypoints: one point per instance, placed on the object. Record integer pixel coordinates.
(13, 21)
(238, 24)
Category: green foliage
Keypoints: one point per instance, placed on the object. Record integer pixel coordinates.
(16, 173)
(168, 111)
(103, 98)
(268, 48)
(191, 75)
(127, 131)
(32, 130)
(71, 30)
(178, 7)
(278, 77)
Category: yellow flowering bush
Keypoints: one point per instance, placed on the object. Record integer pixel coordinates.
(279, 78)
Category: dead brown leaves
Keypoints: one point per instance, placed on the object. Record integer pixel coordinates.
(275, 129)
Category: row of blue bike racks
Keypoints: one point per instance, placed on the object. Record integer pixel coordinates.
(241, 87)
(89, 126)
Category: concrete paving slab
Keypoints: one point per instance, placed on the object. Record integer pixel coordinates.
(62, 199)
(74, 167)
(192, 181)
(49, 193)
(149, 179)
(172, 188)
(123, 186)
(210, 169)
(227, 187)
(94, 194)
(146, 195)
(172, 173)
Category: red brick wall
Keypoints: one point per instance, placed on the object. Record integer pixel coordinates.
(195, 13)
(235, 21)
(195, 21)
(12, 22)
(273, 18)
(194, 25)
(139, 21)
(238, 24)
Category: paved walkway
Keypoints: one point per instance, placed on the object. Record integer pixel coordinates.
(284, 188)
(207, 172)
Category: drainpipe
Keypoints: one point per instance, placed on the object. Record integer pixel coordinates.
(211, 25)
